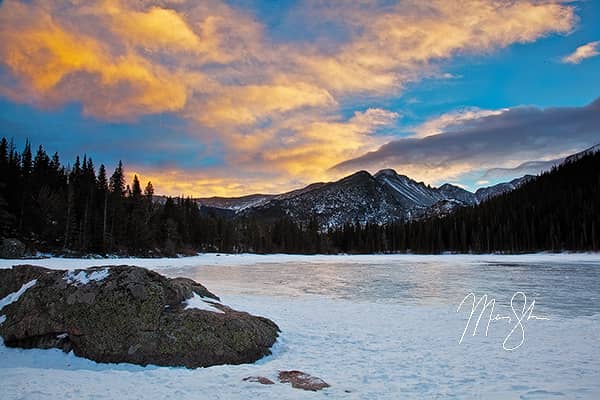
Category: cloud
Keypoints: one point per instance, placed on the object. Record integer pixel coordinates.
(446, 121)
(272, 106)
(313, 147)
(582, 52)
(526, 168)
(399, 44)
(57, 65)
(502, 140)
(245, 105)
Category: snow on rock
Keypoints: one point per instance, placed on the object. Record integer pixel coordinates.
(11, 298)
(84, 277)
(202, 303)
(123, 319)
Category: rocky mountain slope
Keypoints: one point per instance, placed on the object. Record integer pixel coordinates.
(361, 197)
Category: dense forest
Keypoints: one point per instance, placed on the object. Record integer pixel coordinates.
(77, 210)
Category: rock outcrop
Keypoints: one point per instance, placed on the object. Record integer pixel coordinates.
(127, 314)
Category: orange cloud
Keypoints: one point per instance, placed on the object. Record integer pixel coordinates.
(57, 65)
(437, 125)
(313, 147)
(244, 105)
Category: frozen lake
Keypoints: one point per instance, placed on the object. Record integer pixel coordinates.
(372, 326)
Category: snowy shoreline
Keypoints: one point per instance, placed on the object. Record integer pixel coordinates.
(226, 259)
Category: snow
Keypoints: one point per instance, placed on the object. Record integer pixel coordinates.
(202, 303)
(13, 297)
(84, 277)
(219, 259)
(373, 327)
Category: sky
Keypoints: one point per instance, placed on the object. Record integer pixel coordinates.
(235, 97)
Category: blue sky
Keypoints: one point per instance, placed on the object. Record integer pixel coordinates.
(257, 96)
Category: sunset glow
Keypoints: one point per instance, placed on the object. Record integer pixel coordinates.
(236, 97)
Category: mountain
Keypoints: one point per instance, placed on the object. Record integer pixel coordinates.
(586, 152)
(486, 193)
(234, 203)
(382, 198)
(555, 211)
(356, 198)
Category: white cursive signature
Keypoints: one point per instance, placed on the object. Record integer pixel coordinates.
(525, 314)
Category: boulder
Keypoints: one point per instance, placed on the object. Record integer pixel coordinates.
(11, 248)
(127, 314)
(302, 380)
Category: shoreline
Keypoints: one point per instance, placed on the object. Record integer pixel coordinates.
(225, 259)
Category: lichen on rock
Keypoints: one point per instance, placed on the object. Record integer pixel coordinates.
(128, 314)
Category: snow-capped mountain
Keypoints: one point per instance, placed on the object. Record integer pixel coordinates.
(355, 198)
(485, 193)
(361, 197)
(408, 193)
(235, 203)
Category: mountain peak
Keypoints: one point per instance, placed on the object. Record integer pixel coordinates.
(362, 174)
(386, 172)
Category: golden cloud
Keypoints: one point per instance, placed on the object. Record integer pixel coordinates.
(244, 105)
(56, 65)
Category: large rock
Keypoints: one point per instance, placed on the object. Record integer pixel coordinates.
(127, 314)
(11, 248)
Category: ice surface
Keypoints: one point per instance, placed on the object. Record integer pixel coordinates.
(214, 259)
(84, 277)
(202, 303)
(373, 327)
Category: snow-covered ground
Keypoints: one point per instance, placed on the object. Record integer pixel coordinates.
(374, 327)
(212, 259)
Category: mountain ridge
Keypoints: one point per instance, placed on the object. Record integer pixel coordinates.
(362, 197)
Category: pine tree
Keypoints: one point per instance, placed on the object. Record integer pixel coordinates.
(103, 193)
(118, 215)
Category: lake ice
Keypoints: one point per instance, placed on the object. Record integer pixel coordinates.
(374, 327)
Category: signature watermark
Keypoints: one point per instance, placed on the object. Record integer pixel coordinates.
(520, 315)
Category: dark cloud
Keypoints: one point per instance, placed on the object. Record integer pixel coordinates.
(528, 167)
(517, 135)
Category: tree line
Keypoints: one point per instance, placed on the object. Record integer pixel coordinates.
(77, 210)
